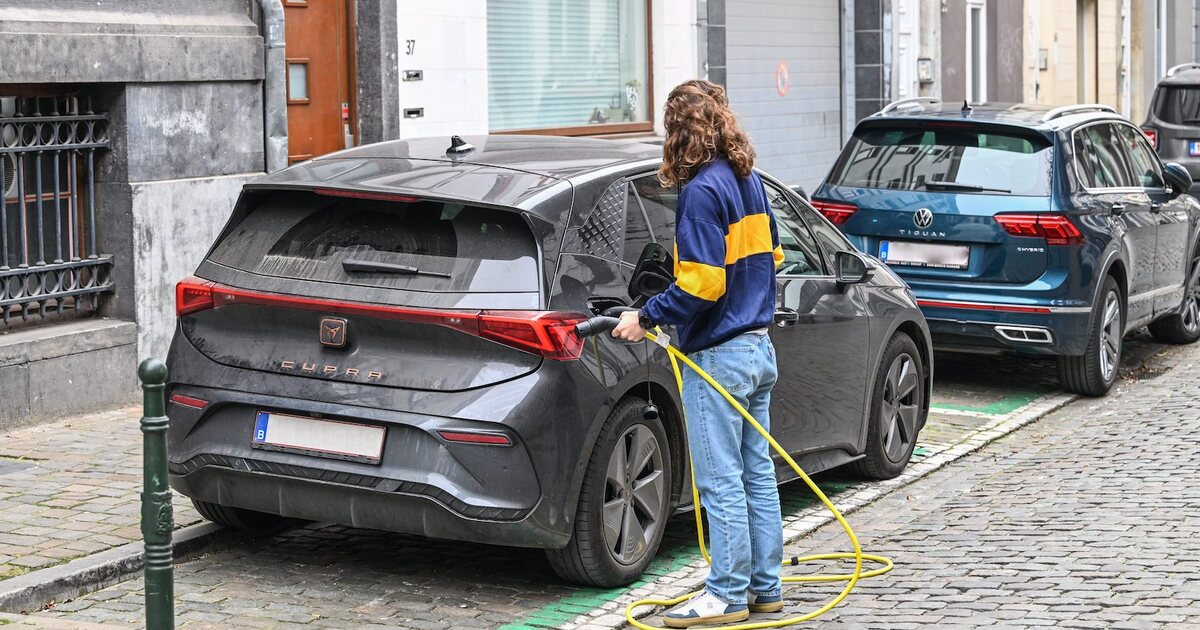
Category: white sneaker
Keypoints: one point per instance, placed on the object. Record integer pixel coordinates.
(704, 608)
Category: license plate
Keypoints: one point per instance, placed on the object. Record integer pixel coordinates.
(925, 254)
(1194, 147)
(322, 438)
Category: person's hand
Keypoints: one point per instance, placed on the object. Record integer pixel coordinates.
(629, 329)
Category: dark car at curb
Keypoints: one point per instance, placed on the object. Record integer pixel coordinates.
(383, 338)
(1173, 119)
(1025, 229)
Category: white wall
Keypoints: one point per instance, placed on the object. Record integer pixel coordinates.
(449, 43)
(450, 46)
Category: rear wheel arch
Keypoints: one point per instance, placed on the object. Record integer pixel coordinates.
(670, 412)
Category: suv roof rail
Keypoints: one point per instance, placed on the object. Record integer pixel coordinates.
(1191, 65)
(908, 102)
(1058, 112)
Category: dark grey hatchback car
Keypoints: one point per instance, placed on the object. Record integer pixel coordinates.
(384, 338)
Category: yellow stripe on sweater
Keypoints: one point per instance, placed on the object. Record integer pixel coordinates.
(703, 281)
(750, 236)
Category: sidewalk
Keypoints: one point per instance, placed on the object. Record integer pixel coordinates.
(70, 489)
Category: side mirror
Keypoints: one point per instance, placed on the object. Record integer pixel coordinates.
(1178, 178)
(653, 274)
(852, 268)
(799, 190)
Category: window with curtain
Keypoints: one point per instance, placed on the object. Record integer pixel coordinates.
(580, 65)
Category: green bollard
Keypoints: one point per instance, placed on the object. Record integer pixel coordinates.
(158, 522)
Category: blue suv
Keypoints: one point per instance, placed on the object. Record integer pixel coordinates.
(1025, 229)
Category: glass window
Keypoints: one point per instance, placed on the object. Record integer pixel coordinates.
(297, 81)
(651, 216)
(1178, 105)
(1146, 170)
(830, 238)
(567, 63)
(455, 247)
(909, 158)
(801, 257)
(1108, 160)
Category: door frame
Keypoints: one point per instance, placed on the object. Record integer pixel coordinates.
(981, 6)
(351, 41)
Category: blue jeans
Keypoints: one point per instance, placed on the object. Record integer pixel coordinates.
(733, 467)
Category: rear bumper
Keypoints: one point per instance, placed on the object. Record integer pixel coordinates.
(971, 328)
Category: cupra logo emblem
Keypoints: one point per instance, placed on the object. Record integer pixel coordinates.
(923, 218)
(333, 332)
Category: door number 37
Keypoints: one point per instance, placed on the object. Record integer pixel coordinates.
(409, 46)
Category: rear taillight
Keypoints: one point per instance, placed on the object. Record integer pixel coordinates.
(189, 401)
(1152, 136)
(837, 213)
(474, 437)
(548, 333)
(1055, 228)
(193, 294)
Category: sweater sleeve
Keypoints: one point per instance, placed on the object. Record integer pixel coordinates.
(699, 261)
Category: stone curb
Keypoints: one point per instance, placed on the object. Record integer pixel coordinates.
(610, 616)
(36, 589)
(21, 622)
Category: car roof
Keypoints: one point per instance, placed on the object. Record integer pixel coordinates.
(507, 170)
(1045, 118)
(1185, 76)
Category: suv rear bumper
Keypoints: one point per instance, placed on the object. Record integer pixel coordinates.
(972, 327)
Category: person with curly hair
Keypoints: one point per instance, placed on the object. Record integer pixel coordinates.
(722, 304)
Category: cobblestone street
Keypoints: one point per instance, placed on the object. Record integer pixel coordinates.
(1061, 522)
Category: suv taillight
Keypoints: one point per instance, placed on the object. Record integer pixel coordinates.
(548, 333)
(1055, 228)
(193, 294)
(837, 213)
(1152, 136)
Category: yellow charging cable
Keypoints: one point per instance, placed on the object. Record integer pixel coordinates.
(850, 578)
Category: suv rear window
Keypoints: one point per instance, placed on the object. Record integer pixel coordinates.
(1178, 105)
(456, 247)
(910, 158)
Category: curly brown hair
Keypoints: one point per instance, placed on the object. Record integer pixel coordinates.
(701, 127)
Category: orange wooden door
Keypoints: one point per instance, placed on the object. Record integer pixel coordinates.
(320, 56)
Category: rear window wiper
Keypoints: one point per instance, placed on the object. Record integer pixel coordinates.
(958, 186)
(351, 265)
(1190, 121)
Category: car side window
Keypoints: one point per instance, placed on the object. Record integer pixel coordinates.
(1146, 169)
(650, 214)
(1109, 161)
(830, 238)
(801, 255)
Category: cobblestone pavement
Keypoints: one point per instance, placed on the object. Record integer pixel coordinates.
(330, 576)
(70, 489)
(1089, 518)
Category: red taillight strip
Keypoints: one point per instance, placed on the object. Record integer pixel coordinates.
(982, 306)
(188, 401)
(471, 437)
(837, 213)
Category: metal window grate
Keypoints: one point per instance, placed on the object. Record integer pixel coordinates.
(49, 260)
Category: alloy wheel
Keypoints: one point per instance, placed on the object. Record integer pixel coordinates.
(900, 407)
(1110, 337)
(634, 494)
(1191, 297)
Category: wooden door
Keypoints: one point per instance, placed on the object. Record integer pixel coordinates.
(320, 77)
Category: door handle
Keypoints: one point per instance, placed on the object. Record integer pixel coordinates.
(785, 317)
(1118, 209)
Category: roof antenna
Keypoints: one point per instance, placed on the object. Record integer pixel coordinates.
(458, 146)
(966, 108)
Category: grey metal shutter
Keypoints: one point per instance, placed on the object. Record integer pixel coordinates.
(798, 135)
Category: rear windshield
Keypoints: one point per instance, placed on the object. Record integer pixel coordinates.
(1178, 105)
(420, 245)
(985, 162)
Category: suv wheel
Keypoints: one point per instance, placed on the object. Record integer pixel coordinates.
(897, 401)
(1094, 372)
(1184, 326)
(239, 518)
(623, 504)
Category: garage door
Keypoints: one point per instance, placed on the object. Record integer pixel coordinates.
(797, 134)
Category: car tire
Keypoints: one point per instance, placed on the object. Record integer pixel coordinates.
(1094, 372)
(609, 488)
(239, 518)
(897, 405)
(1183, 327)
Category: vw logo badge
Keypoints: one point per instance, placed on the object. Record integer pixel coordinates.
(923, 218)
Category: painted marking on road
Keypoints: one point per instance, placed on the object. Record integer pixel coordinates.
(1001, 407)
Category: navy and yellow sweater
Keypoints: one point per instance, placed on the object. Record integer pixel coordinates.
(726, 251)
